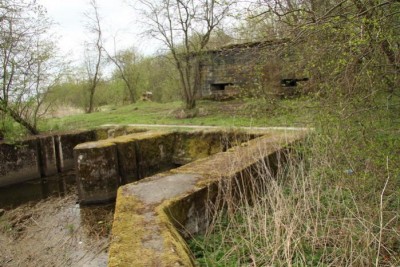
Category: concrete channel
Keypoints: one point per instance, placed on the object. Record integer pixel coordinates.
(162, 178)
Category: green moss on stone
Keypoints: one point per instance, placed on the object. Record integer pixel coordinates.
(101, 133)
(127, 233)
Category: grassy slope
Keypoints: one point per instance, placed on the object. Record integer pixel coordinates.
(230, 113)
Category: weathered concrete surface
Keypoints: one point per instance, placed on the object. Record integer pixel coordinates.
(47, 148)
(19, 162)
(40, 156)
(153, 214)
(123, 159)
(127, 161)
(154, 151)
(141, 153)
(207, 127)
(97, 172)
(123, 130)
(66, 143)
(149, 240)
(190, 146)
(194, 145)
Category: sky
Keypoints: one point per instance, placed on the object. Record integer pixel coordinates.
(118, 20)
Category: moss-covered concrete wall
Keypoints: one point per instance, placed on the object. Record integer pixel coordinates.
(97, 171)
(40, 156)
(18, 162)
(66, 143)
(47, 148)
(143, 154)
(154, 215)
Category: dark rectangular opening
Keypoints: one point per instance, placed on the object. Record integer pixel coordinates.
(219, 86)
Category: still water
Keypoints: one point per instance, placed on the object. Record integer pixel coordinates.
(44, 224)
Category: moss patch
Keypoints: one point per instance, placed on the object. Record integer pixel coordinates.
(128, 232)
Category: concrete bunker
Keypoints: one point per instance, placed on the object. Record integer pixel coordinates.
(215, 87)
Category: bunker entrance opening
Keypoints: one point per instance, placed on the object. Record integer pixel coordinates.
(220, 86)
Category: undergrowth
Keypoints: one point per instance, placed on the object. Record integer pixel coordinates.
(335, 201)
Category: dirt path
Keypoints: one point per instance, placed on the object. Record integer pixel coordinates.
(201, 127)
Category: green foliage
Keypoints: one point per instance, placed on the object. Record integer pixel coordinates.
(159, 76)
(11, 130)
(153, 74)
(29, 64)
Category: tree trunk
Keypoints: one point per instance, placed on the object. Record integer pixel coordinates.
(390, 55)
(32, 130)
(91, 99)
(190, 103)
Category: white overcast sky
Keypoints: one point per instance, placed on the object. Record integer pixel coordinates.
(117, 19)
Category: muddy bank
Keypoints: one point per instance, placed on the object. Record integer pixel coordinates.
(55, 232)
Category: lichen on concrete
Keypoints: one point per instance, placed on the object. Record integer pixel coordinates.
(154, 151)
(176, 252)
(19, 162)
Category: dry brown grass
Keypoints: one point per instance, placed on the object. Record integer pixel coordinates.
(299, 217)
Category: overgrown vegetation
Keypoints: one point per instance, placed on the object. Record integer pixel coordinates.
(338, 204)
(240, 112)
(330, 204)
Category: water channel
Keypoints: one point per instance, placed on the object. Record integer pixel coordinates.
(43, 225)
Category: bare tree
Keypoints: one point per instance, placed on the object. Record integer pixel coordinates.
(28, 68)
(93, 52)
(126, 62)
(185, 27)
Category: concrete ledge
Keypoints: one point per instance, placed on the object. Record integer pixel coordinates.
(153, 215)
(104, 165)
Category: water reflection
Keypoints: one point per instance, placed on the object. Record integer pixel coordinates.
(34, 190)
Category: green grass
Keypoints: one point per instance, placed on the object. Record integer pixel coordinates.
(229, 113)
